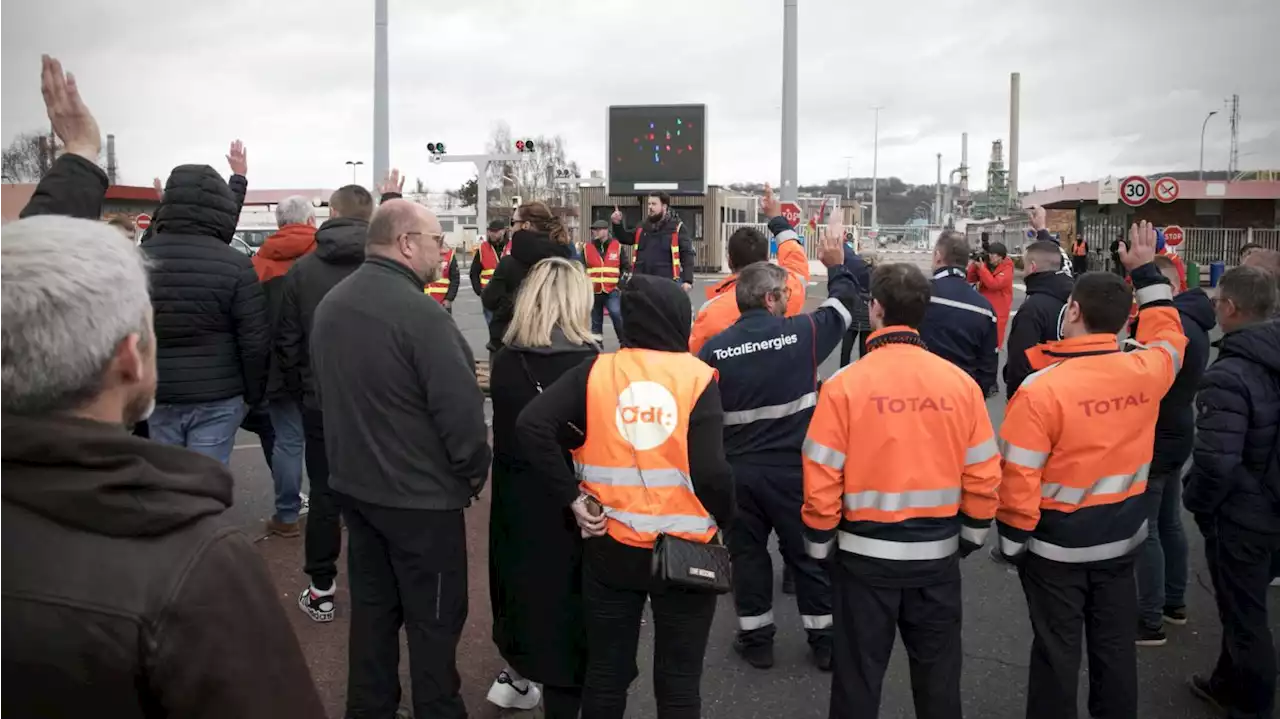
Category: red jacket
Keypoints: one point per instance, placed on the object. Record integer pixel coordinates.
(997, 286)
(278, 253)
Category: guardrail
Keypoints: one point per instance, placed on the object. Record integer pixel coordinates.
(1204, 245)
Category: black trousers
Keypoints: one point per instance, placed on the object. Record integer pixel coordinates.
(846, 344)
(681, 624)
(1081, 604)
(1240, 566)
(323, 530)
(769, 499)
(1079, 264)
(407, 567)
(866, 616)
(561, 702)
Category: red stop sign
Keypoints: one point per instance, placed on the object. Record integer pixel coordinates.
(1173, 235)
(142, 221)
(791, 211)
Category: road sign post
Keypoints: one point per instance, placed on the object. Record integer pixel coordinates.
(1135, 190)
(1167, 189)
(1173, 236)
(790, 211)
(142, 221)
(1108, 191)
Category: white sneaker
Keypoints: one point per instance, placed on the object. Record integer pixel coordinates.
(305, 506)
(507, 695)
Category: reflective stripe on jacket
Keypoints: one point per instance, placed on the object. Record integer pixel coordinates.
(675, 249)
(489, 260)
(440, 288)
(1078, 434)
(900, 462)
(635, 458)
(604, 272)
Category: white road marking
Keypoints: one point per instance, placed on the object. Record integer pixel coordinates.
(247, 446)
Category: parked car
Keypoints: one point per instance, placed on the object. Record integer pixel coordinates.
(242, 247)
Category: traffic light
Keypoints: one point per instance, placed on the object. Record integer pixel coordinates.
(435, 148)
(564, 174)
(524, 146)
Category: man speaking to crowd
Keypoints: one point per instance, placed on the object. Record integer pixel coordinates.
(662, 247)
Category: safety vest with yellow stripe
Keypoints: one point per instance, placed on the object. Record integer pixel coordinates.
(439, 289)
(604, 271)
(675, 249)
(489, 260)
(635, 458)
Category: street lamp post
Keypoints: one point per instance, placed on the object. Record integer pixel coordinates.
(1203, 125)
(847, 174)
(354, 164)
(875, 169)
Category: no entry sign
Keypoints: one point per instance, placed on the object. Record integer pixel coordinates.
(1135, 190)
(1173, 235)
(1167, 189)
(791, 211)
(142, 221)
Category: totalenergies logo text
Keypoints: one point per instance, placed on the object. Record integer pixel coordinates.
(647, 414)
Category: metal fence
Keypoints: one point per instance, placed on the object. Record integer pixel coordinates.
(1204, 245)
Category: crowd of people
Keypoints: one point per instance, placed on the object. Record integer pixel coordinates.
(652, 475)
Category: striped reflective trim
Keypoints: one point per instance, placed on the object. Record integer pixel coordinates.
(885, 549)
(773, 411)
(1096, 553)
(817, 621)
(1026, 382)
(1154, 293)
(486, 274)
(631, 476)
(786, 235)
(1112, 484)
(818, 550)
(894, 501)
(963, 306)
(1010, 548)
(823, 454)
(981, 452)
(1173, 353)
(747, 624)
(663, 522)
(839, 307)
(1028, 458)
(607, 271)
(707, 304)
(977, 535)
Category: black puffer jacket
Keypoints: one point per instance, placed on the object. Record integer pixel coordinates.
(210, 312)
(1037, 321)
(339, 251)
(1177, 423)
(499, 297)
(1236, 470)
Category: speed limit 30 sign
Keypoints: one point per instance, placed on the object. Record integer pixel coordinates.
(1135, 190)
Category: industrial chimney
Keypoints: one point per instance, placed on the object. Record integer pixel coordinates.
(111, 159)
(1014, 101)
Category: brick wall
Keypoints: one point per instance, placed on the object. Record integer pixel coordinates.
(1062, 223)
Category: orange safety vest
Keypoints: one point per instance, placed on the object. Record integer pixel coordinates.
(675, 250)
(1081, 249)
(604, 272)
(635, 458)
(440, 287)
(489, 260)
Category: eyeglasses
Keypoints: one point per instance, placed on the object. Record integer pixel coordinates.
(515, 222)
(439, 236)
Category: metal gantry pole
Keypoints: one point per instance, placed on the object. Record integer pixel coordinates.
(1203, 125)
(790, 99)
(381, 108)
(875, 169)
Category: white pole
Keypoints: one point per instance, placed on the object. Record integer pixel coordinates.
(875, 170)
(790, 99)
(381, 109)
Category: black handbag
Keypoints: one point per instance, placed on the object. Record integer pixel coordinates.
(692, 566)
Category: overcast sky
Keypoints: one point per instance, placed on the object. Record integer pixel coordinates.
(1107, 87)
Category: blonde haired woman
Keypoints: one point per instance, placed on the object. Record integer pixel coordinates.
(535, 547)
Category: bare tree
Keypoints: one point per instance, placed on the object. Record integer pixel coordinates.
(28, 158)
(532, 177)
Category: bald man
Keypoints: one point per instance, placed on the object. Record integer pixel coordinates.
(408, 451)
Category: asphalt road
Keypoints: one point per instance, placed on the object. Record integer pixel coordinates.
(997, 634)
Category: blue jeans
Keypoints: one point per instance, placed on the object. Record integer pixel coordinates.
(1162, 561)
(612, 302)
(286, 458)
(208, 428)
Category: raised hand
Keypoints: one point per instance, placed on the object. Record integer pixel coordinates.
(831, 251)
(238, 159)
(159, 187)
(769, 205)
(70, 117)
(616, 217)
(393, 182)
(1141, 248)
(1036, 216)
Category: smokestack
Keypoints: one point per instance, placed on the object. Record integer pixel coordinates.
(111, 159)
(964, 165)
(1015, 82)
(937, 195)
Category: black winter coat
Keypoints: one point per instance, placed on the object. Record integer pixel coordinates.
(339, 251)
(1176, 427)
(535, 546)
(499, 296)
(1236, 461)
(960, 326)
(1037, 321)
(212, 333)
(73, 186)
(654, 255)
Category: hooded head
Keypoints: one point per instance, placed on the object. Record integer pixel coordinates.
(656, 315)
(197, 201)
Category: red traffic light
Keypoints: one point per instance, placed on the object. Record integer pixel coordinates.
(519, 145)
(524, 145)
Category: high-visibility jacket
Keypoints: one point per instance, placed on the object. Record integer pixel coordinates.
(675, 249)
(900, 462)
(1080, 248)
(489, 260)
(440, 288)
(721, 309)
(604, 271)
(1077, 437)
(635, 458)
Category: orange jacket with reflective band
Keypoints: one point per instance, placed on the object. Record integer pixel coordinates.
(604, 272)
(489, 260)
(721, 308)
(440, 287)
(675, 249)
(635, 458)
(899, 445)
(1078, 435)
